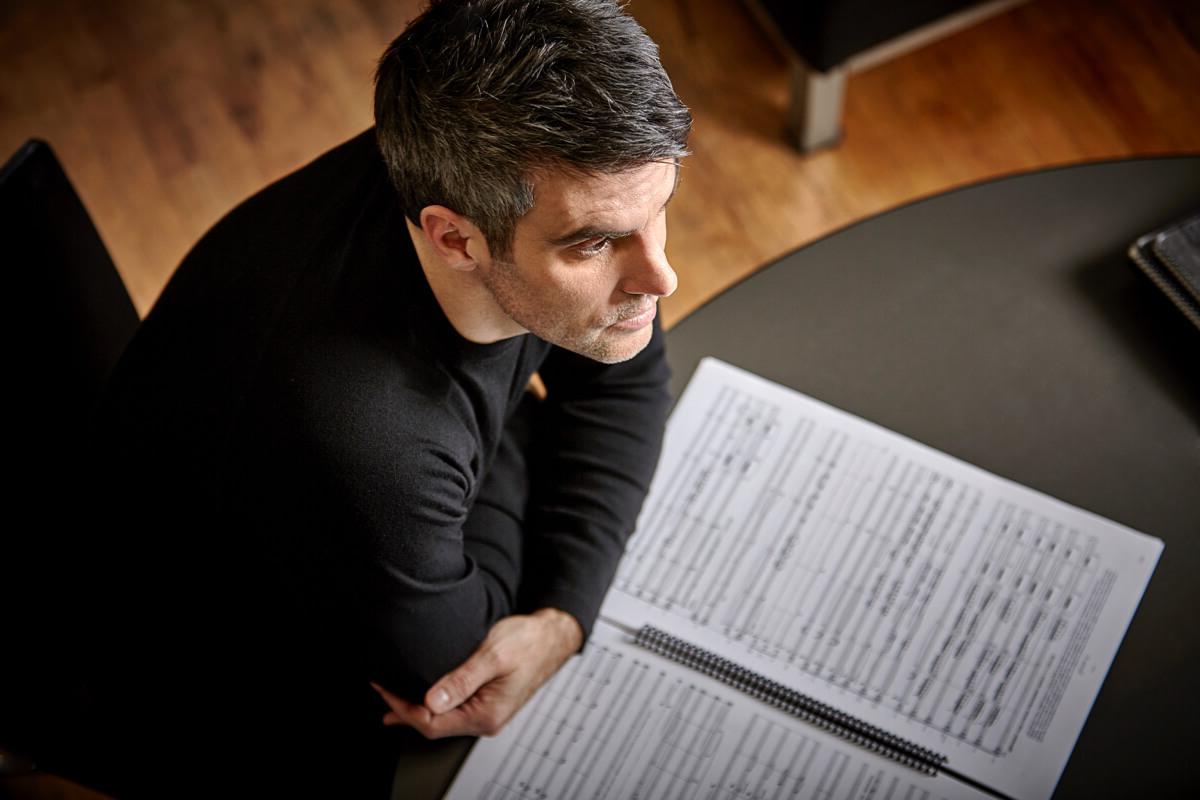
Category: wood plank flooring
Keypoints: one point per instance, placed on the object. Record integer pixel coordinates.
(166, 113)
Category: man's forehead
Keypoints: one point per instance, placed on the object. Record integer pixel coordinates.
(564, 199)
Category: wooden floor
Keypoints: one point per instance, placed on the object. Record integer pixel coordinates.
(168, 112)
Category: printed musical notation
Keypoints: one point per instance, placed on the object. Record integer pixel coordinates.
(929, 599)
(604, 713)
(620, 722)
(916, 591)
(825, 553)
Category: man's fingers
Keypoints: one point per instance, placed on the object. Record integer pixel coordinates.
(402, 712)
(394, 702)
(455, 722)
(466, 720)
(469, 719)
(456, 687)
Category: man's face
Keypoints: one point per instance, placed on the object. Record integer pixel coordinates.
(587, 264)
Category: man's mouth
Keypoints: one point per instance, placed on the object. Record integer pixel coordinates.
(636, 318)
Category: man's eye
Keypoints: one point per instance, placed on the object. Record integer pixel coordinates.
(593, 247)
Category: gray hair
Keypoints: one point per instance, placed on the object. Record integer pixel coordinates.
(477, 95)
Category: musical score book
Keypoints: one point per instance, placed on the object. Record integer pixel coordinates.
(813, 606)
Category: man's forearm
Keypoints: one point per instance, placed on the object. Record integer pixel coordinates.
(596, 445)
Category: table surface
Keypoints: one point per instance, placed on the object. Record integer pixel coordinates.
(1003, 323)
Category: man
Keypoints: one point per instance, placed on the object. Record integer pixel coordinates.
(328, 471)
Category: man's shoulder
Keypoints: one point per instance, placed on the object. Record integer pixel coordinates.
(314, 245)
(323, 181)
(290, 212)
(353, 386)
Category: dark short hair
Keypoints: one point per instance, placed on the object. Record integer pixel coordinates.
(477, 95)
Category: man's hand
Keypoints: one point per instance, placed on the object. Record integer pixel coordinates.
(519, 654)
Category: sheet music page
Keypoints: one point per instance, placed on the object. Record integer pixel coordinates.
(619, 722)
(933, 599)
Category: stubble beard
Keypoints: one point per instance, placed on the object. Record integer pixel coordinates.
(596, 341)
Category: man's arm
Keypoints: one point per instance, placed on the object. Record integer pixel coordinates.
(368, 460)
(597, 439)
(520, 651)
(433, 583)
(597, 444)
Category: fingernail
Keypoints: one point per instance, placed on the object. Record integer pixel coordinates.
(441, 701)
(376, 687)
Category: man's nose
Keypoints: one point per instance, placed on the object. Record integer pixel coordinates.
(648, 272)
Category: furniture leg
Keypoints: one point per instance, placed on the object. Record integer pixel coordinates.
(815, 117)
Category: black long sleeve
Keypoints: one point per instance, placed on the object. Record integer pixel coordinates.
(324, 478)
(596, 448)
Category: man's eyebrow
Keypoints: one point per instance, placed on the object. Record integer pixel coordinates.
(591, 231)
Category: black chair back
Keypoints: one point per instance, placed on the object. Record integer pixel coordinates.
(68, 319)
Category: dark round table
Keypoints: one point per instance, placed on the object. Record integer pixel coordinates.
(1004, 324)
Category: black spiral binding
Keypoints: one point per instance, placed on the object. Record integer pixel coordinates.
(789, 700)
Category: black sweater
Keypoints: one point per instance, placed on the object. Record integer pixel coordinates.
(297, 438)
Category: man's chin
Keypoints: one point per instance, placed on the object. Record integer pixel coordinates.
(614, 346)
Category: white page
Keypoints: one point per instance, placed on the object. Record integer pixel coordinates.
(935, 600)
(618, 723)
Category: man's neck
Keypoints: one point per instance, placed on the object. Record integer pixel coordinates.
(462, 295)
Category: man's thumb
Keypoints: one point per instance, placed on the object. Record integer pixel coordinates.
(454, 688)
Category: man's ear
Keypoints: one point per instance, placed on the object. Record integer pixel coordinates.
(455, 239)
